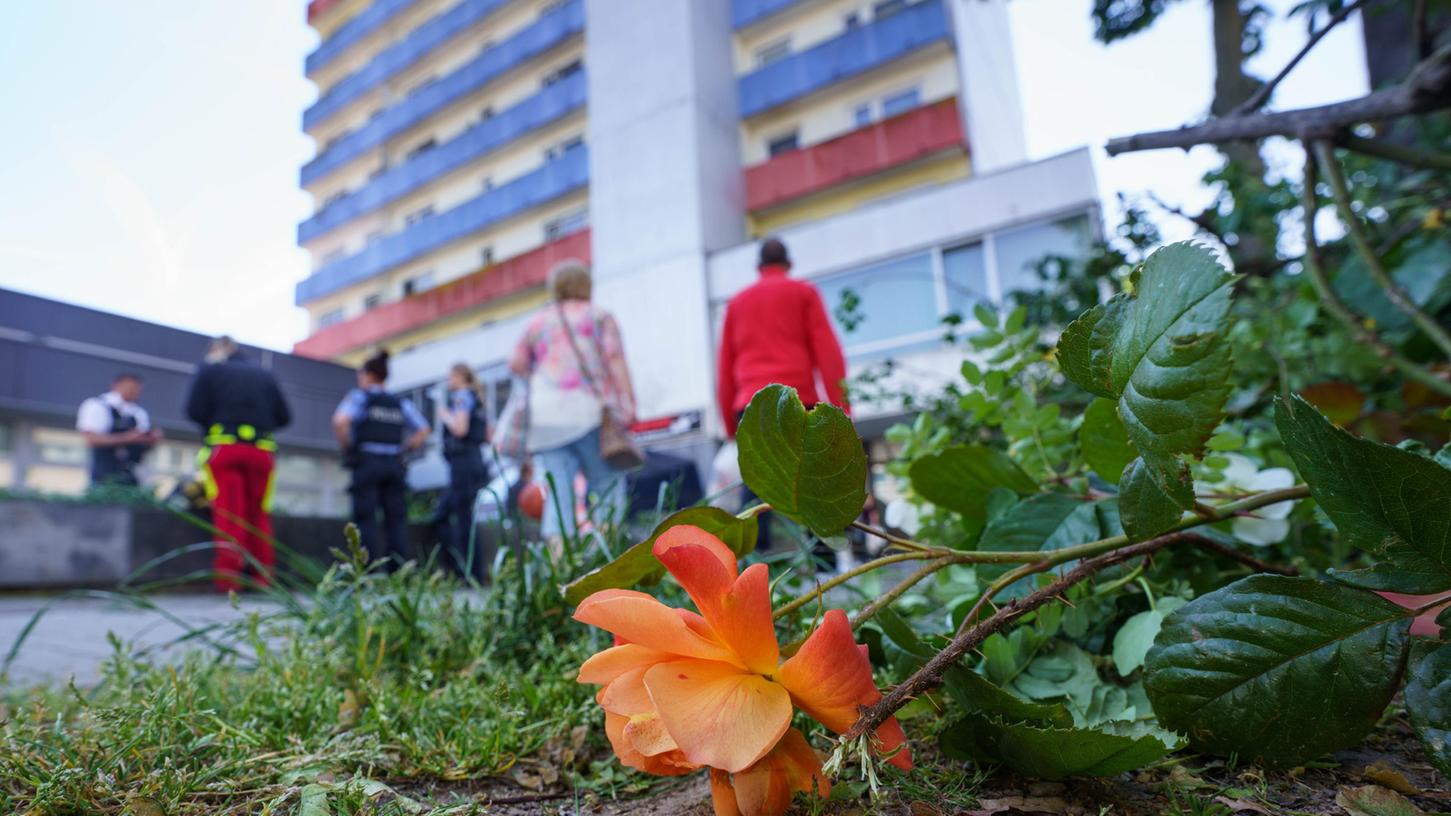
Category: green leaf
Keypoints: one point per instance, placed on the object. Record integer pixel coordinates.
(1278, 670)
(1389, 577)
(314, 801)
(1047, 521)
(1228, 440)
(1163, 354)
(1053, 753)
(1104, 441)
(960, 478)
(1145, 508)
(1063, 671)
(1428, 702)
(638, 565)
(808, 465)
(1137, 634)
(978, 695)
(901, 633)
(986, 315)
(1382, 499)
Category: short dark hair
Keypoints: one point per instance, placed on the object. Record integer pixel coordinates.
(773, 253)
(377, 365)
(126, 375)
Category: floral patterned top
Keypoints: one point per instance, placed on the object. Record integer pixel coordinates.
(563, 405)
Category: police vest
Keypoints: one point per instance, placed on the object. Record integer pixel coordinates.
(473, 437)
(118, 460)
(382, 422)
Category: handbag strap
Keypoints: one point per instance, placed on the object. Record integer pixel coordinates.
(579, 355)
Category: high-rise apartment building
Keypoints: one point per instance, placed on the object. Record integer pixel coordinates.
(465, 146)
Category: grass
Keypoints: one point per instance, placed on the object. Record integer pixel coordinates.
(329, 701)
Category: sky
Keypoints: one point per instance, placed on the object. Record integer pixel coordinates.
(151, 147)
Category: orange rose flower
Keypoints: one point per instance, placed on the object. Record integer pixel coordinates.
(682, 691)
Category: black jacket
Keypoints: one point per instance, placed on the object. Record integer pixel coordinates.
(234, 393)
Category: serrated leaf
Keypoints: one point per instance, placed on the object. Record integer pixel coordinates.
(961, 477)
(1047, 521)
(808, 465)
(1277, 670)
(638, 565)
(1389, 577)
(1382, 499)
(1104, 441)
(1064, 671)
(1052, 753)
(1428, 702)
(1145, 508)
(1162, 354)
(1133, 640)
(986, 315)
(976, 694)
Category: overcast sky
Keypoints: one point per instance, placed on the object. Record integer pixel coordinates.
(151, 147)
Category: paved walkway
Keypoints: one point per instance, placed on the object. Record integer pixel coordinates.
(70, 638)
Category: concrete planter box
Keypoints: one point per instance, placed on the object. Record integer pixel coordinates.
(49, 545)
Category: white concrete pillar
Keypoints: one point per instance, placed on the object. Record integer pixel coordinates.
(991, 109)
(666, 186)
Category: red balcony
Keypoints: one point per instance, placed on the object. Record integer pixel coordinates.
(508, 277)
(872, 149)
(319, 7)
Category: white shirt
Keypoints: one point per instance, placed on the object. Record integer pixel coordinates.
(95, 413)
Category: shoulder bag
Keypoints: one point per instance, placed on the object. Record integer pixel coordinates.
(617, 447)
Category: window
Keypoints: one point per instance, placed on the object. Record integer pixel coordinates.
(551, 7)
(773, 51)
(417, 215)
(852, 19)
(486, 256)
(861, 115)
(7, 439)
(488, 46)
(965, 270)
(563, 72)
(886, 8)
(378, 171)
(334, 198)
(331, 317)
(57, 447)
(557, 151)
(333, 142)
(423, 86)
(374, 237)
(900, 102)
(372, 301)
(334, 256)
(1020, 250)
(557, 228)
(783, 144)
(423, 147)
(893, 299)
(375, 114)
(418, 283)
(488, 183)
(487, 113)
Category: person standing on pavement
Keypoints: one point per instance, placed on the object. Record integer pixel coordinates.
(574, 359)
(464, 430)
(776, 331)
(118, 432)
(374, 429)
(239, 407)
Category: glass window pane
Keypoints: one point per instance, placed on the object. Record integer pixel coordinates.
(965, 269)
(900, 102)
(1020, 250)
(894, 299)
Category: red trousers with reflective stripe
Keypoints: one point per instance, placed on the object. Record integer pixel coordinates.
(242, 476)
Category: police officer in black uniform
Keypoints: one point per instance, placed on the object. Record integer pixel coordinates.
(375, 428)
(464, 431)
(118, 432)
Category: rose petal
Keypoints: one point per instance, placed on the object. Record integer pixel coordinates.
(719, 715)
(603, 667)
(738, 609)
(644, 621)
(766, 788)
(830, 679)
(672, 763)
(722, 795)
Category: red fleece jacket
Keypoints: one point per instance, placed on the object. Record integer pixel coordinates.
(777, 331)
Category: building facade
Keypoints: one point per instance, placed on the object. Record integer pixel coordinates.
(55, 355)
(466, 146)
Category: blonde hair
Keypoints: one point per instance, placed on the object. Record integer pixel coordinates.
(570, 280)
(471, 381)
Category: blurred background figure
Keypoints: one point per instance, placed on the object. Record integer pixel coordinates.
(238, 406)
(574, 359)
(464, 430)
(118, 432)
(374, 428)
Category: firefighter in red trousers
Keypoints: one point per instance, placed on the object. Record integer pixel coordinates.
(238, 406)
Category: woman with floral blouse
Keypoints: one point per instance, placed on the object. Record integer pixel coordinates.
(574, 360)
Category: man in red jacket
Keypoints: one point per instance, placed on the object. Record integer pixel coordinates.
(777, 331)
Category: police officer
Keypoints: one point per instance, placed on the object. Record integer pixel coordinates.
(238, 406)
(464, 430)
(374, 428)
(117, 430)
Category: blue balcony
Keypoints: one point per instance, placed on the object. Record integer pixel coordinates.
(420, 42)
(566, 174)
(745, 12)
(367, 21)
(546, 33)
(857, 51)
(549, 105)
